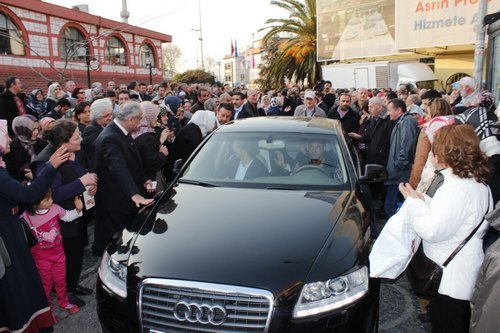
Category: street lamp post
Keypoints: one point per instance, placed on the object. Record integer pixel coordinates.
(197, 57)
(149, 64)
(91, 64)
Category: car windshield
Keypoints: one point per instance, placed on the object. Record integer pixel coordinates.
(269, 160)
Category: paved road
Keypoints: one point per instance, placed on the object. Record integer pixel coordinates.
(398, 307)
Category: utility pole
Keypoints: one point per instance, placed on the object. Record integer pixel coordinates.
(201, 36)
(197, 56)
(479, 50)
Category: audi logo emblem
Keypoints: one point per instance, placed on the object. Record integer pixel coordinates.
(203, 313)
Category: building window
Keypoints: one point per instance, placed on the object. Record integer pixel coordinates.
(10, 37)
(74, 46)
(115, 52)
(146, 52)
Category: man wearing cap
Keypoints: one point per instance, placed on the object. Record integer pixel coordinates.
(309, 109)
(413, 106)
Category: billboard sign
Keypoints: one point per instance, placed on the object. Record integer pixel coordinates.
(355, 29)
(423, 24)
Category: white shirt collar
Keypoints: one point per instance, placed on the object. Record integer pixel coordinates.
(120, 126)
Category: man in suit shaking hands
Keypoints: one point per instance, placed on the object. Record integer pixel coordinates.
(122, 180)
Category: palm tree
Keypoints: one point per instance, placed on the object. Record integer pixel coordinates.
(296, 54)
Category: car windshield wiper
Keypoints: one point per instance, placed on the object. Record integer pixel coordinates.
(196, 182)
(289, 188)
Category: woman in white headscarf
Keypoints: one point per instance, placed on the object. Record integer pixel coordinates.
(54, 93)
(190, 136)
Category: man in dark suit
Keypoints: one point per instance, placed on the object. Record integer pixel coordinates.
(143, 92)
(245, 165)
(11, 105)
(122, 180)
(347, 116)
(250, 107)
(378, 137)
(100, 116)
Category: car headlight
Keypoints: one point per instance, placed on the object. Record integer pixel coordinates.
(113, 275)
(324, 296)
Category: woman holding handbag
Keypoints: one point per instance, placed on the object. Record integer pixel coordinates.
(447, 219)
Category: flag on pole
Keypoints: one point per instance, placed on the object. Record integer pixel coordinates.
(232, 47)
(235, 48)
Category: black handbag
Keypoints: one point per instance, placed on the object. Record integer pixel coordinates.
(28, 233)
(425, 275)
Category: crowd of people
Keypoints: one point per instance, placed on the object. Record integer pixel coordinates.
(74, 155)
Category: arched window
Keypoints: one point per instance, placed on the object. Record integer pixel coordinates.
(74, 46)
(10, 37)
(146, 52)
(115, 52)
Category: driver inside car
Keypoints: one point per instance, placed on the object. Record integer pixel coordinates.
(316, 154)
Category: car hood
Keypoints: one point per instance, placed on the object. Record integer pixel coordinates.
(249, 237)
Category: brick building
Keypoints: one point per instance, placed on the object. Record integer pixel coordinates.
(41, 42)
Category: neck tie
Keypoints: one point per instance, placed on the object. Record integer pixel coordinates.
(20, 105)
(436, 183)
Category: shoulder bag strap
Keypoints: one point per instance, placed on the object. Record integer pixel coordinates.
(461, 245)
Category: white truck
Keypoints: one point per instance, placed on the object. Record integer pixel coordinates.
(379, 74)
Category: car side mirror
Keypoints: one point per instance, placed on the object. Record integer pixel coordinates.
(177, 166)
(374, 173)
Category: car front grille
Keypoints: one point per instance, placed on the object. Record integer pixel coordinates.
(184, 306)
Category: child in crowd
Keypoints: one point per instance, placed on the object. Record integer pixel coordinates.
(48, 253)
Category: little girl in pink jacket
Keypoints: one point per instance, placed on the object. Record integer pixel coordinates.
(48, 253)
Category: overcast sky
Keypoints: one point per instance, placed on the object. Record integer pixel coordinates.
(222, 21)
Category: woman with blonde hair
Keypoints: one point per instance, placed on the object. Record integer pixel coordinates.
(454, 212)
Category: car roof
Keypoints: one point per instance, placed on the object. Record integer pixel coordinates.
(283, 124)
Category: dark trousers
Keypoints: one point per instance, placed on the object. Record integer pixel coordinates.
(494, 177)
(392, 197)
(106, 225)
(449, 315)
(73, 250)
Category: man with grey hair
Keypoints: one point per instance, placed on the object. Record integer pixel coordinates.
(378, 138)
(100, 116)
(211, 104)
(361, 99)
(377, 134)
(468, 95)
(225, 98)
(413, 102)
(250, 107)
(123, 183)
(97, 89)
(69, 87)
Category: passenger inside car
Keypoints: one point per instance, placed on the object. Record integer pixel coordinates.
(244, 164)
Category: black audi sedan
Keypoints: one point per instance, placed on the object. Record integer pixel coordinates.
(264, 229)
